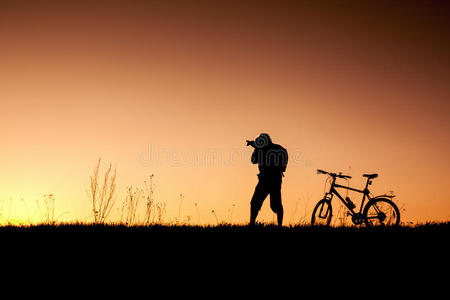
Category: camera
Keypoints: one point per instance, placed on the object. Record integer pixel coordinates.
(251, 143)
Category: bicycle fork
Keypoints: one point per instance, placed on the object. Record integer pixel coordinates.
(327, 210)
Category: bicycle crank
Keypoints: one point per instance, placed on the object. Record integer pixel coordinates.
(357, 219)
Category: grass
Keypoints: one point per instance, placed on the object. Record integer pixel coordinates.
(102, 195)
(229, 228)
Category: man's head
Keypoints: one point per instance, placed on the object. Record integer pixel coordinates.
(263, 140)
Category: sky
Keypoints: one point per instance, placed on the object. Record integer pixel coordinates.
(174, 88)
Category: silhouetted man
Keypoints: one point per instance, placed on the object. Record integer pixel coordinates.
(272, 161)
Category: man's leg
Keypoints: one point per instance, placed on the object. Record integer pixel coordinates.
(261, 192)
(280, 217)
(275, 201)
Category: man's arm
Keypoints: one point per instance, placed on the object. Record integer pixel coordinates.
(254, 158)
(285, 160)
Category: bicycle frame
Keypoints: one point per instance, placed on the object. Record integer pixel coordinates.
(333, 191)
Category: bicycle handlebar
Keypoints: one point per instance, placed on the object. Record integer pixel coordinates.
(333, 174)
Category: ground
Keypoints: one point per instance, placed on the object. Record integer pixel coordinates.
(224, 247)
(97, 260)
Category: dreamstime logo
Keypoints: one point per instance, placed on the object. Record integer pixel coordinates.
(262, 141)
(209, 157)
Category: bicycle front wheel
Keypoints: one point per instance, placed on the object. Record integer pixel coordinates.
(381, 212)
(322, 213)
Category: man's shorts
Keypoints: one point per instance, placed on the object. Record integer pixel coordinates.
(267, 185)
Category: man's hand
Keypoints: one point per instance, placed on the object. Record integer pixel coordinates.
(251, 143)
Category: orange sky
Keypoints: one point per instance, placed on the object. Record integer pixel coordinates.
(344, 87)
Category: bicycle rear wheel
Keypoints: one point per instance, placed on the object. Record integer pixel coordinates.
(381, 212)
(322, 213)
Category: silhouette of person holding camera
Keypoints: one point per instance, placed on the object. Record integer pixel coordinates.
(272, 161)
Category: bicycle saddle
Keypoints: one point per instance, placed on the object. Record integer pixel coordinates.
(370, 176)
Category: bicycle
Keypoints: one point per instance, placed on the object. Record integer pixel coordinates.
(379, 210)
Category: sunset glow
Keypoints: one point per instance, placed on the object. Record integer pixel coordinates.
(174, 89)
